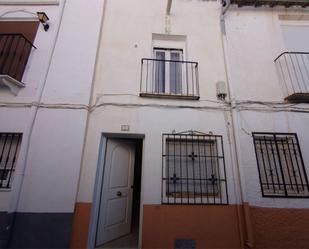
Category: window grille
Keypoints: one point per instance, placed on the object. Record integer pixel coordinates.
(280, 165)
(193, 169)
(9, 149)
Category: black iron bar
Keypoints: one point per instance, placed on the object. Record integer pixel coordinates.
(270, 166)
(294, 70)
(12, 169)
(302, 163)
(206, 175)
(175, 172)
(283, 76)
(297, 163)
(307, 72)
(264, 166)
(287, 165)
(2, 157)
(273, 152)
(280, 165)
(180, 165)
(289, 73)
(200, 172)
(218, 171)
(301, 71)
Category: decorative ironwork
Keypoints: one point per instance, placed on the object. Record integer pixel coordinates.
(9, 149)
(193, 169)
(293, 68)
(270, 3)
(169, 79)
(280, 164)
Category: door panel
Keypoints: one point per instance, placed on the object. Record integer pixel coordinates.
(117, 194)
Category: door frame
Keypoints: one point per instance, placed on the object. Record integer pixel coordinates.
(95, 207)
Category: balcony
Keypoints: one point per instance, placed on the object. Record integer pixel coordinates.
(271, 3)
(169, 79)
(14, 53)
(293, 68)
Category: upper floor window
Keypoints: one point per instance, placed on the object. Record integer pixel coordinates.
(168, 73)
(280, 164)
(193, 169)
(168, 70)
(9, 149)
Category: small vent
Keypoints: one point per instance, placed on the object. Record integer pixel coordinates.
(185, 244)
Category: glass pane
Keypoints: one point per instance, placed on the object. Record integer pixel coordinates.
(175, 73)
(159, 76)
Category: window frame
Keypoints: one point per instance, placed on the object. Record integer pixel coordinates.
(274, 157)
(8, 158)
(167, 79)
(184, 194)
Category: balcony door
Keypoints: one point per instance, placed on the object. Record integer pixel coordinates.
(168, 71)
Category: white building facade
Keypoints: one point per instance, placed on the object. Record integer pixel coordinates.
(45, 111)
(166, 124)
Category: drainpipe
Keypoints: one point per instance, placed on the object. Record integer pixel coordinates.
(243, 212)
(19, 176)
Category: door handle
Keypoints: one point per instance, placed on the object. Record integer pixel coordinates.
(119, 193)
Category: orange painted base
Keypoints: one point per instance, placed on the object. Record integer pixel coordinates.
(280, 228)
(209, 226)
(80, 225)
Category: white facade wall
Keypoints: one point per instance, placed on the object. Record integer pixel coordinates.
(253, 40)
(127, 33)
(62, 68)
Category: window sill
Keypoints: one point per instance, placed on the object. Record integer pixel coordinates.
(5, 190)
(169, 96)
(11, 83)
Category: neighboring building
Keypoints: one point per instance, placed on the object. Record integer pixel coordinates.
(43, 119)
(267, 51)
(154, 124)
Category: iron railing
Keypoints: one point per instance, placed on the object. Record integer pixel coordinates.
(270, 3)
(9, 149)
(193, 169)
(169, 78)
(14, 53)
(280, 165)
(293, 68)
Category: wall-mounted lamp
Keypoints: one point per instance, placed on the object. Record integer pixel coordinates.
(43, 18)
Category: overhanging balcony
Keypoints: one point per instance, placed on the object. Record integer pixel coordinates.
(169, 79)
(271, 3)
(15, 50)
(293, 69)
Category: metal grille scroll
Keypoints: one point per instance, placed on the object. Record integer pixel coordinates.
(9, 149)
(193, 169)
(280, 164)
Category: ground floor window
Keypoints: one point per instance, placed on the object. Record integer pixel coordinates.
(280, 164)
(9, 149)
(193, 169)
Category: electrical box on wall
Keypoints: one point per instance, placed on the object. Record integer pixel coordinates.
(221, 90)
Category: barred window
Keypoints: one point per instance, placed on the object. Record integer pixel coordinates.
(9, 149)
(193, 169)
(280, 164)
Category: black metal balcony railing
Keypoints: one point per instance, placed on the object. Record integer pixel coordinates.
(293, 68)
(169, 78)
(271, 3)
(14, 53)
